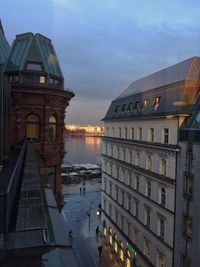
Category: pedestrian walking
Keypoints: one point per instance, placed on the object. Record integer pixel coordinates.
(97, 230)
(84, 189)
(100, 248)
(80, 190)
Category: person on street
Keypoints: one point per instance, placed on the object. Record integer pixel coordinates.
(80, 190)
(100, 248)
(97, 230)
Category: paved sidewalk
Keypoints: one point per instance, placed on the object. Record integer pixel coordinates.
(92, 242)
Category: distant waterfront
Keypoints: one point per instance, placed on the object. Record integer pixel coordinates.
(83, 149)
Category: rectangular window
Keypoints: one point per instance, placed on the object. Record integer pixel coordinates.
(146, 248)
(148, 218)
(166, 135)
(189, 185)
(132, 133)
(144, 103)
(120, 132)
(139, 133)
(188, 226)
(126, 133)
(136, 209)
(136, 235)
(137, 183)
(151, 135)
(148, 189)
(42, 79)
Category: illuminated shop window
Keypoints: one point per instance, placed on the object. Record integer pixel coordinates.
(115, 243)
(33, 127)
(110, 236)
(121, 251)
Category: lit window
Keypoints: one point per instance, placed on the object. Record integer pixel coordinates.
(163, 167)
(156, 102)
(144, 103)
(115, 243)
(42, 79)
(52, 128)
(121, 252)
(110, 236)
(33, 127)
(188, 226)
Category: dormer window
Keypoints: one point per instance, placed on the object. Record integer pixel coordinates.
(156, 102)
(34, 66)
(130, 107)
(123, 107)
(117, 109)
(144, 103)
(137, 105)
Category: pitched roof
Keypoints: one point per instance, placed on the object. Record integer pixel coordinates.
(34, 48)
(4, 46)
(186, 70)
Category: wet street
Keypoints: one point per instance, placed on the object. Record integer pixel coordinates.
(75, 216)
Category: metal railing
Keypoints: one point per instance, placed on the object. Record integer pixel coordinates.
(8, 197)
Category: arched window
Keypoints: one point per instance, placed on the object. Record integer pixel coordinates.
(163, 167)
(33, 127)
(52, 128)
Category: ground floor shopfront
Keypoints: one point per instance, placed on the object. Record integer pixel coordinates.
(124, 251)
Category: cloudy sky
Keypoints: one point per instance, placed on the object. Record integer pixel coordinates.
(104, 45)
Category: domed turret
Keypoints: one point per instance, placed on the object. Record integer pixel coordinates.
(33, 62)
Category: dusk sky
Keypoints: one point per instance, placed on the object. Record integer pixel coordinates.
(104, 45)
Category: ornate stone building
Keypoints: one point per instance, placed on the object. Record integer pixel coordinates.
(144, 165)
(38, 102)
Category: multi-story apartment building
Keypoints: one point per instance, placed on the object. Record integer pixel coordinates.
(140, 157)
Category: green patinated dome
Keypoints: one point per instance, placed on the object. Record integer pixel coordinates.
(33, 60)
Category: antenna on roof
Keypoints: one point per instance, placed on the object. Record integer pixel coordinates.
(1, 27)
